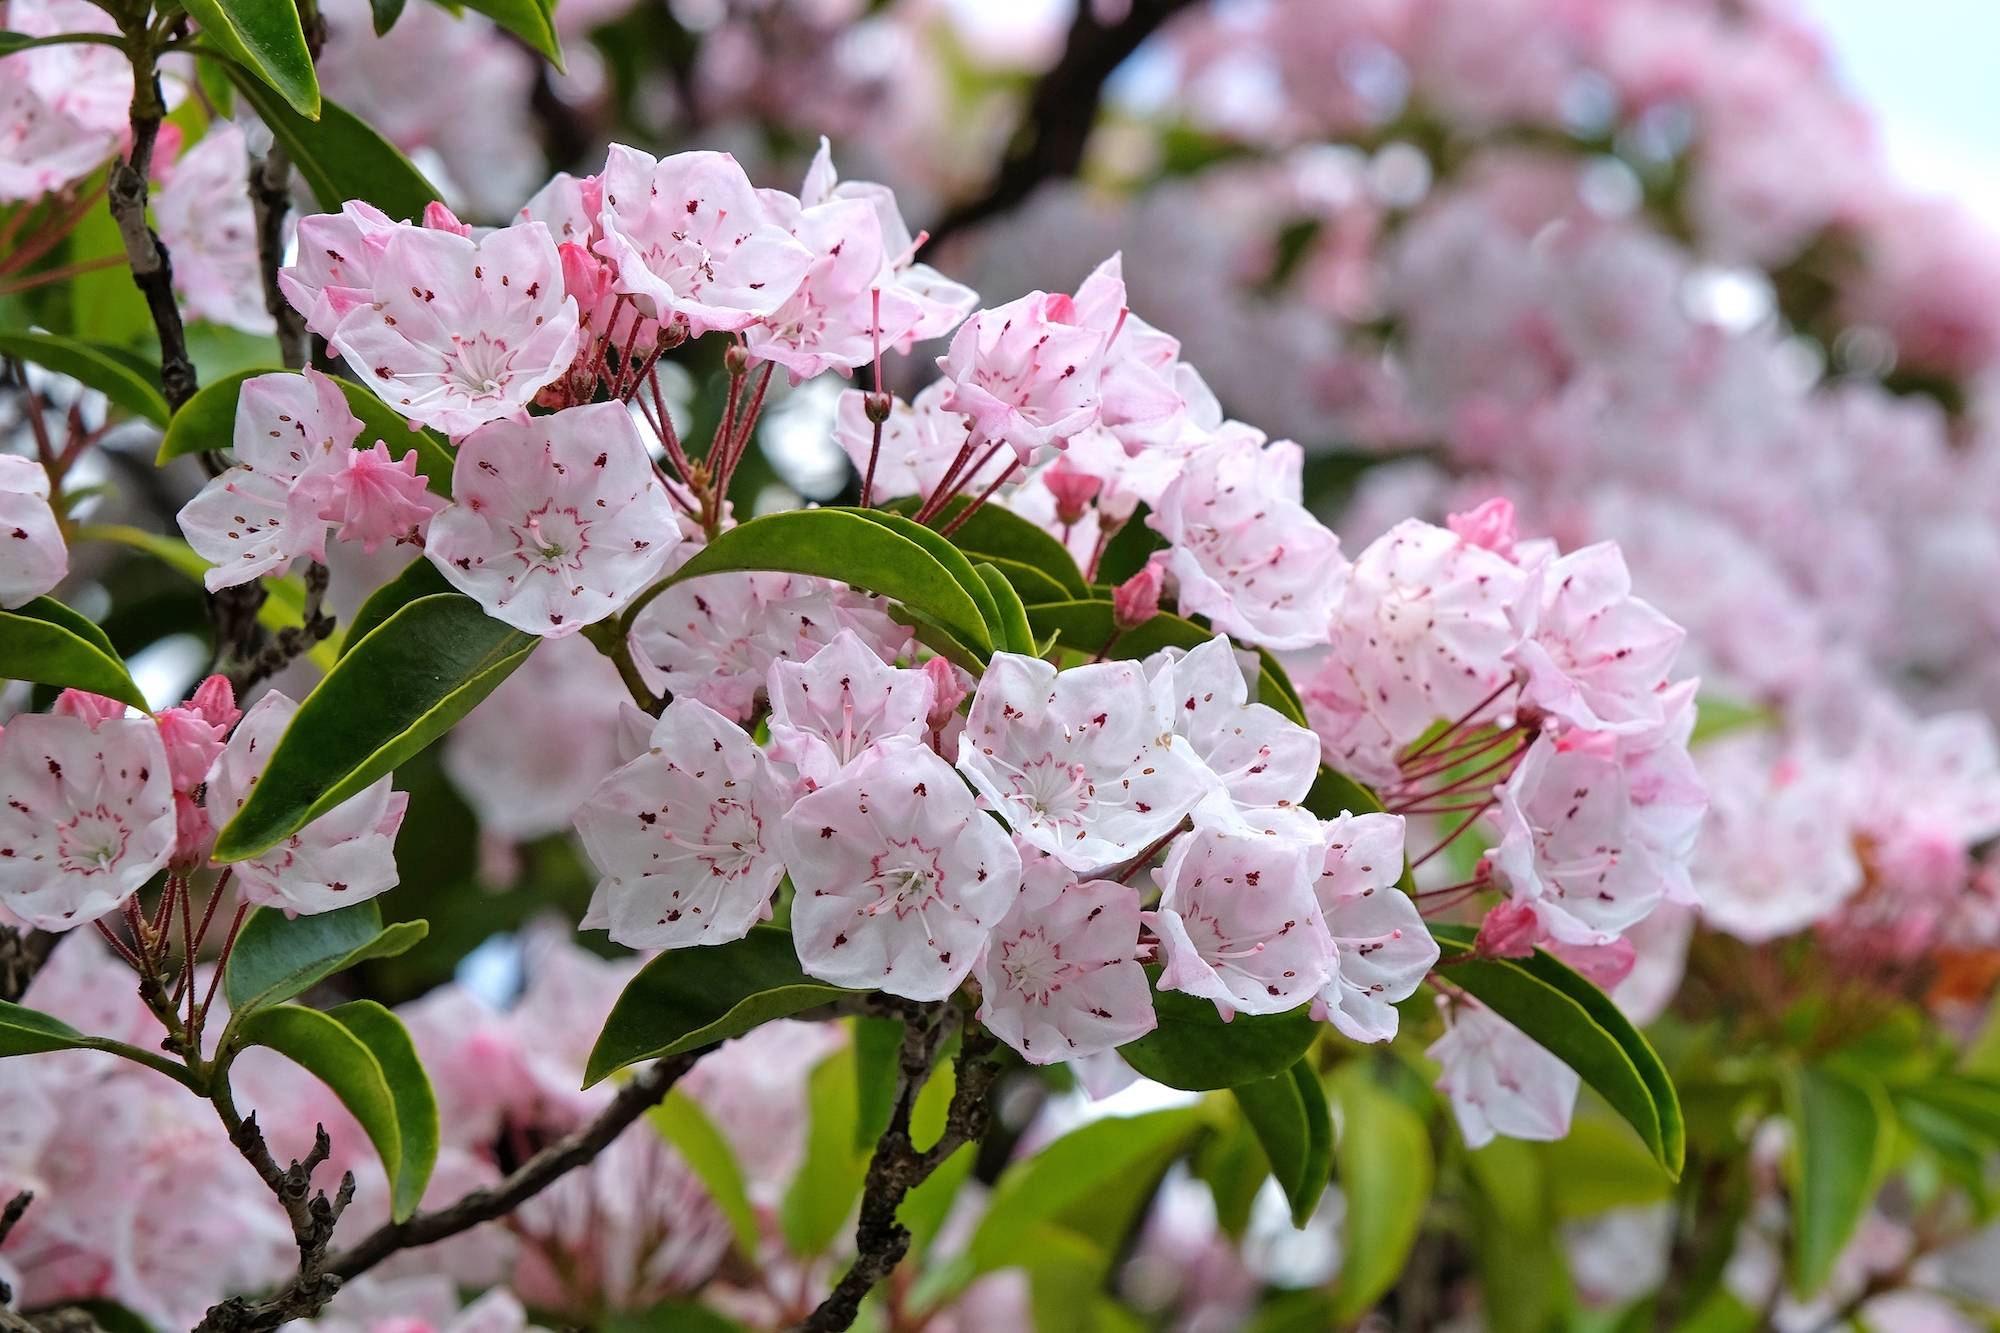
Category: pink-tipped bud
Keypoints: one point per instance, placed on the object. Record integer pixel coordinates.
(1137, 599)
(877, 406)
(1604, 965)
(1491, 525)
(92, 708)
(216, 701)
(1073, 491)
(439, 218)
(737, 359)
(946, 693)
(1508, 931)
(585, 276)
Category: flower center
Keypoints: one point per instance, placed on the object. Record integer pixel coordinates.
(1055, 791)
(1033, 965)
(552, 538)
(907, 878)
(480, 366)
(92, 843)
(733, 839)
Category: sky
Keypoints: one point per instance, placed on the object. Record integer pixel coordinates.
(1926, 68)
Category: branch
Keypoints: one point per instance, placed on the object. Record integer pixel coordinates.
(152, 267)
(313, 1218)
(292, 641)
(271, 198)
(1050, 139)
(897, 1167)
(21, 956)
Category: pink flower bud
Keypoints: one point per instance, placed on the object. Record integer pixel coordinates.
(1137, 599)
(439, 218)
(1073, 491)
(1508, 931)
(216, 701)
(1491, 525)
(92, 708)
(946, 693)
(877, 406)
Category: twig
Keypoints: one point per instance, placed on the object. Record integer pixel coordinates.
(12, 1214)
(271, 197)
(152, 266)
(21, 956)
(292, 641)
(313, 1218)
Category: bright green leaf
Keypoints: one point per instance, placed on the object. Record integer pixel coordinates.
(340, 1060)
(340, 156)
(1288, 1111)
(416, 1105)
(1192, 1048)
(420, 578)
(683, 1123)
(1013, 631)
(207, 421)
(1973, 1102)
(1385, 1174)
(955, 564)
(999, 534)
(1601, 1164)
(25, 1031)
(1030, 583)
(1845, 1129)
(50, 644)
(266, 37)
(689, 998)
(95, 366)
(394, 693)
(277, 957)
(822, 1194)
(878, 1051)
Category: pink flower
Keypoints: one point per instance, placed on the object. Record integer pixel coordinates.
(830, 710)
(88, 815)
(1239, 921)
(64, 109)
(920, 440)
(1498, 1080)
(205, 219)
(555, 523)
(1026, 373)
(1775, 853)
(1596, 656)
(459, 332)
(1141, 405)
(1352, 739)
(900, 878)
(1137, 599)
(291, 431)
(1383, 950)
(1072, 490)
(345, 856)
(1509, 930)
(693, 242)
(1057, 977)
(1083, 765)
(371, 496)
(33, 558)
(338, 254)
(1246, 553)
(1491, 525)
(842, 310)
(685, 835)
(194, 735)
(1259, 760)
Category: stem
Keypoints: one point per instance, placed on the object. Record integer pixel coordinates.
(221, 963)
(271, 197)
(1470, 713)
(1452, 836)
(982, 498)
(67, 271)
(152, 266)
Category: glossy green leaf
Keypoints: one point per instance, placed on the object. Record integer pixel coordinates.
(689, 998)
(998, 534)
(277, 957)
(1845, 1130)
(264, 36)
(420, 578)
(1385, 1175)
(821, 1196)
(530, 20)
(95, 366)
(25, 1031)
(1014, 633)
(385, 13)
(340, 156)
(10, 42)
(1288, 1111)
(682, 1122)
(1128, 550)
(1030, 583)
(50, 644)
(878, 1060)
(954, 562)
(1275, 689)
(342, 1061)
(394, 693)
(842, 544)
(207, 421)
(1334, 792)
(416, 1104)
(379, 421)
(1192, 1048)
(1579, 1025)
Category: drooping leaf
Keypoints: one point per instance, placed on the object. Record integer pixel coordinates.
(25, 1031)
(954, 562)
(277, 957)
(379, 421)
(50, 644)
(1192, 1048)
(385, 14)
(1288, 1111)
(530, 20)
(1578, 1024)
(1013, 634)
(110, 371)
(409, 1086)
(394, 693)
(683, 1123)
(340, 156)
(822, 1194)
(1845, 1129)
(208, 420)
(420, 578)
(1385, 1176)
(340, 1060)
(267, 39)
(689, 998)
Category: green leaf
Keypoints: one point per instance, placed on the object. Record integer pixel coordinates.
(265, 36)
(530, 20)
(277, 957)
(683, 1123)
(385, 13)
(844, 544)
(675, 1316)
(822, 1194)
(416, 1105)
(1334, 792)
(689, 998)
(338, 154)
(391, 695)
(998, 534)
(108, 370)
(1192, 1048)
(1031, 584)
(1578, 1024)
(1128, 550)
(48, 643)
(1013, 631)
(379, 421)
(1275, 689)
(954, 562)
(1385, 1174)
(340, 1060)
(925, 1208)
(1973, 1102)
(1288, 1111)
(25, 1031)
(1233, 1164)
(1845, 1130)
(878, 1049)
(420, 578)
(207, 420)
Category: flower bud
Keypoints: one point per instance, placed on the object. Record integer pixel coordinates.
(1491, 525)
(736, 360)
(1508, 931)
(946, 693)
(439, 218)
(877, 405)
(92, 708)
(1137, 599)
(1073, 491)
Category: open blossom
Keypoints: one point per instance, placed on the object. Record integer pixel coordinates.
(208, 225)
(337, 257)
(1141, 405)
(841, 312)
(1596, 656)
(1025, 372)
(1772, 857)
(1934, 793)
(458, 332)
(920, 441)
(1246, 553)
(685, 835)
(693, 242)
(64, 109)
(1499, 1081)
(1261, 760)
(1383, 950)
(1057, 977)
(346, 855)
(900, 878)
(554, 523)
(829, 711)
(88, 814)
(1238, 919)
(1083, 764)
(33, 558)
(291, 432)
